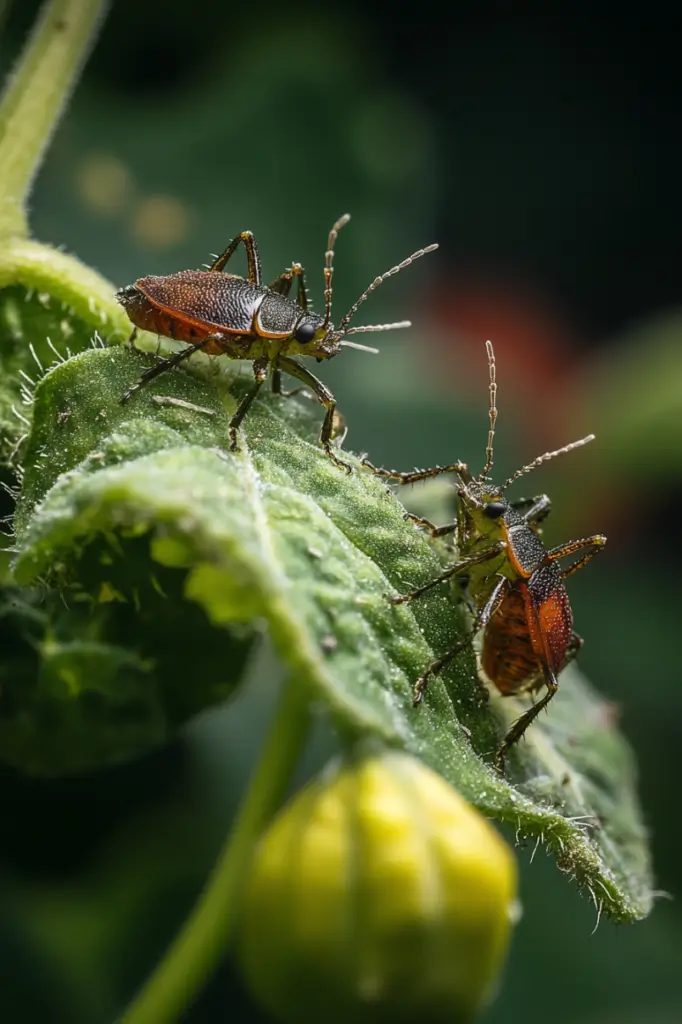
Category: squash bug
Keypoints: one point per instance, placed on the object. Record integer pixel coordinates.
(512, 582)
(223, 314)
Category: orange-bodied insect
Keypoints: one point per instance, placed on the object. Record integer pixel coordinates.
(224, 314)
(513, 583)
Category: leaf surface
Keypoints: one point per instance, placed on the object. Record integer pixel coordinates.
(172, 554)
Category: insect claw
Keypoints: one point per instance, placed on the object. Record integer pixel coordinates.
(337, 461)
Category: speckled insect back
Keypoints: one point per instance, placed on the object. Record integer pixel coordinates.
(513, 584)
(223, 314)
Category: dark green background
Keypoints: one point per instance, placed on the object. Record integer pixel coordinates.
(542, 150)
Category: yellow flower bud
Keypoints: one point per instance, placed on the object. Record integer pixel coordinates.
(378, 894)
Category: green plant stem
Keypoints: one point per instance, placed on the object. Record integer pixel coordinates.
(39, 268)
(206, 933)
(36, 95)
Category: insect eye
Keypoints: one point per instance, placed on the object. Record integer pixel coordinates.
(494, 509)
(304, 333)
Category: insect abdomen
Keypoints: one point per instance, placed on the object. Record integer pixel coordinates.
(508, 658)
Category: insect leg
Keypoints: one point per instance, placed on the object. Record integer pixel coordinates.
(466, 563)
(260, 372)
(433, 530)
(252, 256)
(521, 724)
(324, 397)
(519, 727)
(166, 364)
(596, 542)
(537, 509)
(277, 388)
(581, 562)
(282, 284)
(339, 426)
(481, 620)
(574, 647)
(414, 477)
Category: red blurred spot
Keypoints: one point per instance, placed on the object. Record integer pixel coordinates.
(535, 345)
(541, 359)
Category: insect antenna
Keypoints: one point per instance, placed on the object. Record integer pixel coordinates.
(492, 410)
(329, 266)
(545, 458)
(374, 285)
(372, 328)
(359, 347)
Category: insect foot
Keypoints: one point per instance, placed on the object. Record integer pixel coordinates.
(345, 466)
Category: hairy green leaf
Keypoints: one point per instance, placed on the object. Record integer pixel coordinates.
(162, 555)
(50, 306)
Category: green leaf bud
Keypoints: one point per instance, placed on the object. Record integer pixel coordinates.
(378, 894)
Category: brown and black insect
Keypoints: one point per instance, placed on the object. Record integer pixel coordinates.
(224, 314)
(513, 583)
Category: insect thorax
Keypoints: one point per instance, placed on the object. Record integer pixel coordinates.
(277, 315)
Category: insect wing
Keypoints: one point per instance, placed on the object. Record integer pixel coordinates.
(220, 301)
(550, 621)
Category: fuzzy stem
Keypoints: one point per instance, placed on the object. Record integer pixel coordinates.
(35, 97)
(206, 933)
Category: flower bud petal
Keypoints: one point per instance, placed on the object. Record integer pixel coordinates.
(378, 894)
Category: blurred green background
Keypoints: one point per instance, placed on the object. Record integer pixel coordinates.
(541, 148)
